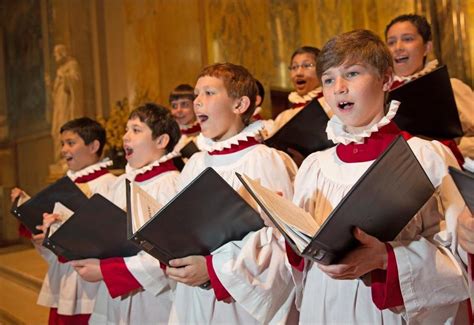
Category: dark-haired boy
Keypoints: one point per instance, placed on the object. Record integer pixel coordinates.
(71, 299)
(135, 290)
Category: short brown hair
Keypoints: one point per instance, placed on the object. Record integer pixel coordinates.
(358, 46)
(422, 25)
(183, 91)
(237, 81)
(159, 120)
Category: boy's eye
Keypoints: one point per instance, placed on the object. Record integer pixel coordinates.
(209, 93)
(407, 38)
(352, 74)
(327, 81)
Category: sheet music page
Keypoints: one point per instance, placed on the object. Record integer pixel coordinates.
(64, 214)
(85, 188)
(23, 198)
(144, 206)
(300, 224)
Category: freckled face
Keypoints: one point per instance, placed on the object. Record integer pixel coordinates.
(215, 111)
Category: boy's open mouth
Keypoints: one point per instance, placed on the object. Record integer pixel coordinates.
(128, 151)
(401, 59)
(345, 105)
(202, 118)
(300, 82)
(68, 158)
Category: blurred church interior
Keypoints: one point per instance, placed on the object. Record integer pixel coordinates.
(129, 49)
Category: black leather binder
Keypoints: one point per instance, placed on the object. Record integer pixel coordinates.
(305, 132)
(464, 181)
(189, 149)
(202, 217)
(97, 229)
(381, 203)
(428, 107)
(31, 212)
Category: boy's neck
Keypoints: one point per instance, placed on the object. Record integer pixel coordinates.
(90, 163)
(232, 133)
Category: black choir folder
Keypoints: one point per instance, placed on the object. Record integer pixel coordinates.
(30, 212)
(428, 107)
(381, 203)
(97, 229)
(305, 132)
(464, 181)
(205, 215)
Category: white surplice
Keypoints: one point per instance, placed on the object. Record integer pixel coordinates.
(152, 303)
(253, 270)
(62, 287)
(432, 280)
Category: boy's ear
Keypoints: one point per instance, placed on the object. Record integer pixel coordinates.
(242, 105)
(162, 141)
(428, 47)
(387, 80)
(94, 146)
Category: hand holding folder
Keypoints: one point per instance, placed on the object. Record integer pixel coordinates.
(381, 203)
(97, 229)
(205, 215)
(30, 212)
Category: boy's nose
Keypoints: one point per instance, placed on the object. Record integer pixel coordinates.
(399, 44)
(340, 86)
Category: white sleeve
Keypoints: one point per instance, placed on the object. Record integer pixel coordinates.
(430, 273)
(255, 272)
(147, 271)
(464, 97)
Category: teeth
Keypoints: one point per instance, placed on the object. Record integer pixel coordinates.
(343, 105)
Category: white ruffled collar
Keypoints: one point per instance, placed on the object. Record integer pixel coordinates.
(132, 172)
(89, 169)
(188, 126)
(337, 132)
(294, 98)
(250, 131)
(430, 66)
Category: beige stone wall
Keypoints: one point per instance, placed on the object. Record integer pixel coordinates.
(167, 42)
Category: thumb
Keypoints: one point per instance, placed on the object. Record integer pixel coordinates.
(362, 236)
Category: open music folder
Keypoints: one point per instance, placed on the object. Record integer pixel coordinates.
(205, 215)
(381, 203)
(428, 107)
(30, 212)
(305, 132)
(97, 229)
(464, 181)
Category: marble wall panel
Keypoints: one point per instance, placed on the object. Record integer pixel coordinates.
(179, 44)
(142, 47)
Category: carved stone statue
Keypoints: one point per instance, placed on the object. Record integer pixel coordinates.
(67, 94)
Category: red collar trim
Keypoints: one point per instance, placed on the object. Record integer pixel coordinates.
(397, 83)
(91, 176)
(191, 130)
(155, 171)
(236, 147)
(372, 147)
